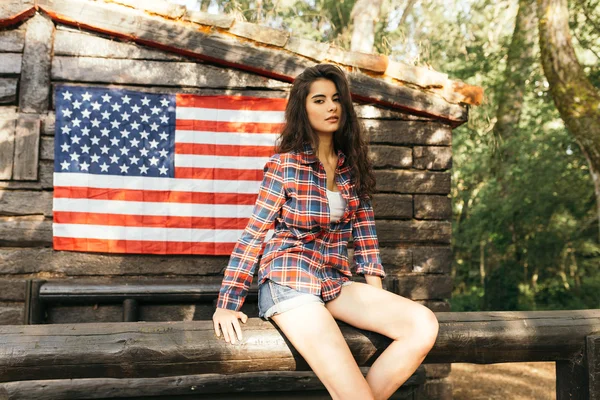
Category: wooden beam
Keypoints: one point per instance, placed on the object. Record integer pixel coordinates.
(300, 385)
(32, 260)
(10, 63)
(12, 41)
(27, 146)
(148, 349)
(593, 366)
(226, 51)
(14, 11)
(34, 93)
(8, 123)
(8, 90)
(155, 73)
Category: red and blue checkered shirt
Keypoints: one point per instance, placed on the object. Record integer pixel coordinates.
(307, 251)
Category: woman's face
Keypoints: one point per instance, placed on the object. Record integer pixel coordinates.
(323, 106)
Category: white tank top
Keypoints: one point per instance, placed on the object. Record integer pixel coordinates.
(337, 205)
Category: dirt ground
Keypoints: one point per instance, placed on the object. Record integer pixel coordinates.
(514, 381)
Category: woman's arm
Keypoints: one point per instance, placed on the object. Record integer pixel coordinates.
(244, 258)
(366, 245)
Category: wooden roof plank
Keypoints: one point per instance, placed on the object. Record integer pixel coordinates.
(227, 50)
(14, 11)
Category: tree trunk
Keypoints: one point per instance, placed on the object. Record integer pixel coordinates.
(518, 68)
(364, 16)
(576, 99)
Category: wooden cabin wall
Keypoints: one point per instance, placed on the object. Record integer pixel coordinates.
(412, 157)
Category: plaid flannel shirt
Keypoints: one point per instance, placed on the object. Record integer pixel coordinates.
(307, 252)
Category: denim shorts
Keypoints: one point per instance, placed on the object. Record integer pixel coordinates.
(274, 298)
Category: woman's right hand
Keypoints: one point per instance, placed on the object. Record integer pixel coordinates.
(228, 322)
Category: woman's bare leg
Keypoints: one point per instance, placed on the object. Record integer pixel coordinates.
(316, 335)
(413, 328)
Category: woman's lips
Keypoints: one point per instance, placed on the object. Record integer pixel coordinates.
(332, 119)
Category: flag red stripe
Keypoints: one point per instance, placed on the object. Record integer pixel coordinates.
(141, 246)
(224, 150)
(219, 174)
(154, 196)
(148, 221)
(224, 126)
(231, 102)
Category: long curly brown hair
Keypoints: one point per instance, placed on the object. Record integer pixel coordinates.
(349, 138)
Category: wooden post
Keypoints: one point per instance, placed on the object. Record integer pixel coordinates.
(34, 94)
(572, 379)
(593, 366)
(130, 310)
(34, 308)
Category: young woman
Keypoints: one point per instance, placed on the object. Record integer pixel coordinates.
(317, 189)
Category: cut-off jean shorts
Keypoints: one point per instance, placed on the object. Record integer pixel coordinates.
(274, 298)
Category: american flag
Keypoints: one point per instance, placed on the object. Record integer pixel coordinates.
(138, 172)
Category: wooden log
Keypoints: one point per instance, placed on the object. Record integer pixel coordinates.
(425, 259)
(46, 169)
(400, 181)
(14, 11)
(12, 41)
(26, 202)
(26, 231)
(34, 260)
(34, 92)
(27, 147)
(439, 389)
(256, 385)
(147, 349)
(46, 146)
(392, 206)
(224, 50)
(592, 358)
(155, 73)
(432, 157)
(205, 289)
(12, 289)
(11, 313)
(433, 207)
(8, 123)
(407, 132)
(69, 42)
(259, 33)
(370, 111)
(430, 259)
(8, 90)
(67, 314)
(10, 63)
(414, 101)
(390, 156)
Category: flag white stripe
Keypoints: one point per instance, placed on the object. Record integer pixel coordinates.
(152, 208)
(152, 183)
(220, 115)
(203, 161)
(103, 232)
(227, 138)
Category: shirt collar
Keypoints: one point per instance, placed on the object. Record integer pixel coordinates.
(307, 155)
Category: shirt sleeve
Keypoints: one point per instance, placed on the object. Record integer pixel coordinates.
(244, 258)
(366, 245)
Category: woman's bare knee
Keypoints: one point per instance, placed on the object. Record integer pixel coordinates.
(314, 333)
